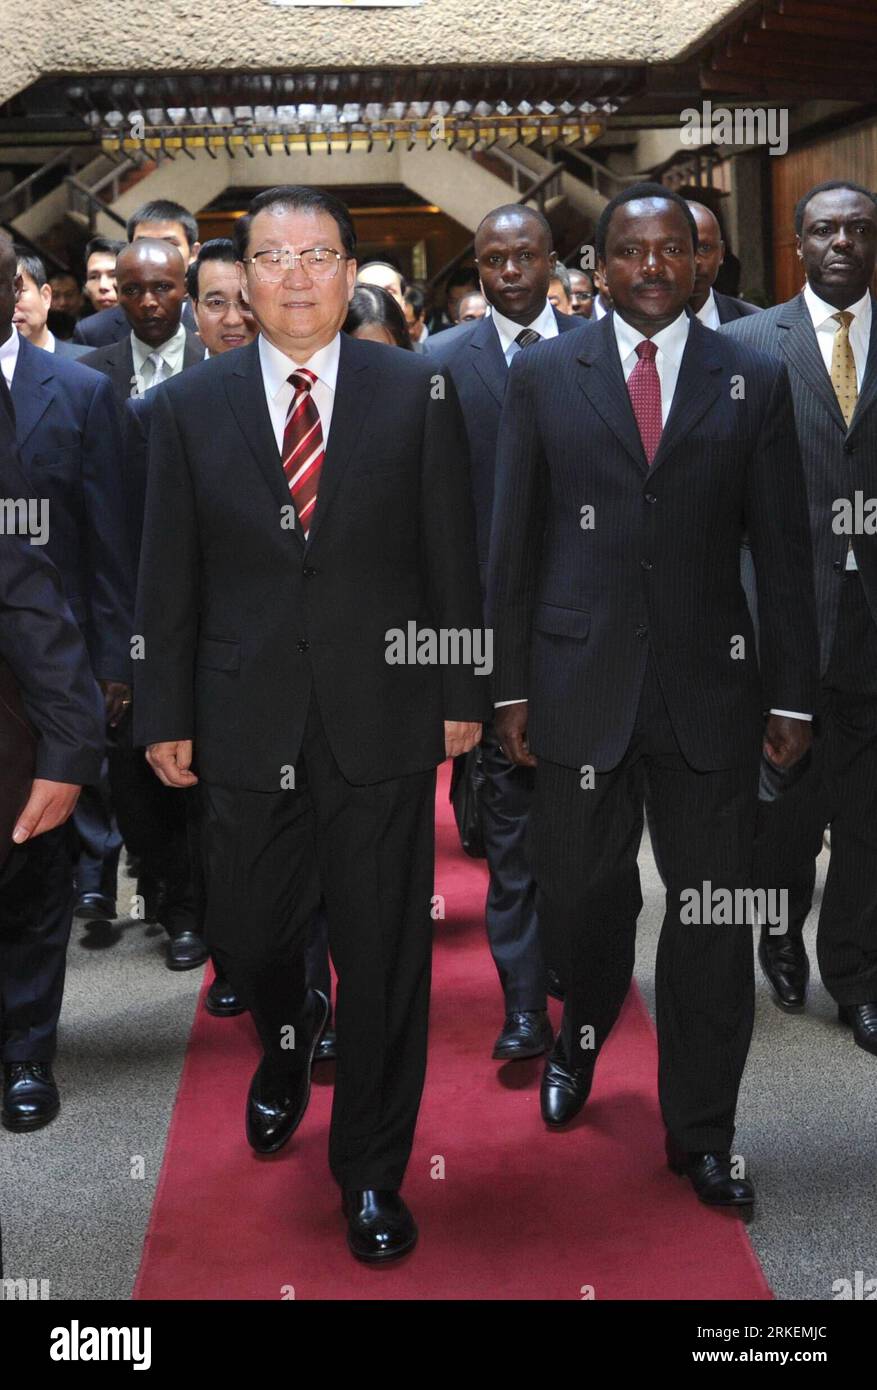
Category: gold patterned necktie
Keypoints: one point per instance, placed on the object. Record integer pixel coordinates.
(843, 366)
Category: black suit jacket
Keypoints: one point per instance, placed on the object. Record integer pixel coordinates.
(731, 309)
(837, 461)
(473, 354)
(110, 326)
(70, 446)
(576, 609)
(117, 362)
(42, 644)
(243, 620)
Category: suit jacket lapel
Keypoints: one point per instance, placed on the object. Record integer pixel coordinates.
(31, 389)
(120, 360)
(869, 380)
(602, 380)
(488, 359)
(245, 390)
(194, 350)
(354, 390)
(697, 388)
(798, 343)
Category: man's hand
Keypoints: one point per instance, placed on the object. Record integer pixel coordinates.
(511, 728)
(49, 804)
(786, 740)
(117, 697)
(460, 737)
(171, 762)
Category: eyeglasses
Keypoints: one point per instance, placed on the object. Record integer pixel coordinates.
(215, 304)
(317, 262)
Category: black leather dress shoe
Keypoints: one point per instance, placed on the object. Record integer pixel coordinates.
(564, 1089)
(94, 907)
(379, 1225)
(555, 988)
(710, 1176)
(221, 1000)
(186, 951)
(276, 1106)
(523, 1035)
(862, 1018)
(783, 959)
(30, 1096)
(327, 1050)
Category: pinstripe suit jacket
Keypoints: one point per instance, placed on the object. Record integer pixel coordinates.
(577, 598)
(837, 461)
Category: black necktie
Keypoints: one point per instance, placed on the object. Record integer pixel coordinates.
(527, 336)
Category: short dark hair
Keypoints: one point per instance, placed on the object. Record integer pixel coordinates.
(636, 193)
(522, 208)
(32, 265)
(459, 278)
(372, 304)
(827, 187)
(163, 210)
(415, 298)
(385, 265)
(221, 248)
(105, 244)
(301, 199)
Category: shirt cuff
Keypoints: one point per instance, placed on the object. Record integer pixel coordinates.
(792, 714)
(499, 703)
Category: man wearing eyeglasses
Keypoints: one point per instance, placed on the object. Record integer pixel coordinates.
(319, 489)
(222, 315)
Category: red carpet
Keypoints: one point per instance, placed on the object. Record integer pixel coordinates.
(520, 1213)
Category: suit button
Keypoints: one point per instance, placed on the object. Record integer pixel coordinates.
(309, 571)
(646, 564)
(302, 646)
(838, 566)
(642, 632)
(649, 497)
(848, 447)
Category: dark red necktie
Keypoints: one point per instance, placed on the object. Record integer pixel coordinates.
(644, 387)
(303, 447)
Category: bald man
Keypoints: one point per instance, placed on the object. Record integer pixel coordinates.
(151, 283)
(712, 308)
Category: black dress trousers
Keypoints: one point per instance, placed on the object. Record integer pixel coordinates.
(839, 788)
(585, 844)
(369, 850)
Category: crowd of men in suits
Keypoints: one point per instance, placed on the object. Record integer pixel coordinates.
(636, 479)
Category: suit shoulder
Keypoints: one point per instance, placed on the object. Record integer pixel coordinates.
(746, 353)
(448, 343)
(751, 327)
(72, 372)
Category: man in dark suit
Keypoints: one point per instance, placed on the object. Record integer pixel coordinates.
(827, 337)
(69, 445)
(516, 261)
(274, 615)
(151, 278)
(41, 643)
(628, 462)
(711, 307)
(32, 308)
(161, 220)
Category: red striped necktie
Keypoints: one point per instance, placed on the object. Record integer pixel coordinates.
(644, 387)
(303, 447)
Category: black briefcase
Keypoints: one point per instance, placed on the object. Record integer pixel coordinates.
(18, 746)
(467, 781)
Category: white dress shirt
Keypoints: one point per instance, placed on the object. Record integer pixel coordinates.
(9, 356)
(708, 313)
(545, 324)
(598, 312)
(276, 370)
(172, 353)
(825, 325)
